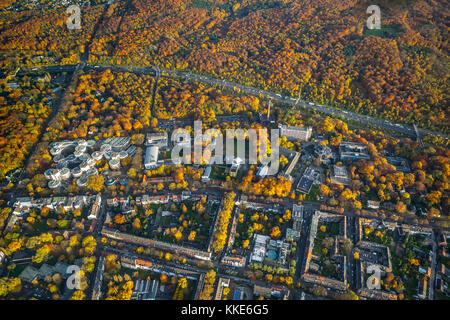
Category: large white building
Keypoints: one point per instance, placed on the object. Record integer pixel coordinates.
(259, 249)
(340, 175)
(295, 133)
(151, 157)
(95, 210)
(159, 139)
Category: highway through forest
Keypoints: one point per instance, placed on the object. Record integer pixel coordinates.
(383, 124)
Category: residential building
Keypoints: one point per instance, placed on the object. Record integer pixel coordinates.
(145, 290)
(2, 256)
(222, 283)
(158, 139)
(151, 157)
(259, 248)
(353, 151)
(206, 174)
(373, 204)
(295, 133)
(293, 234)
(95, 210)
(234, 261)
(422, 288)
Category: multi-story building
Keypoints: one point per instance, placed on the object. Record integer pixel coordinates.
(295, 133)
(151, 157)
(353, 151)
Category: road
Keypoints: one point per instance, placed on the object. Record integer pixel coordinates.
(433, 268)
(383, 124)
(97, 286)
(63, 98)
(170, 267)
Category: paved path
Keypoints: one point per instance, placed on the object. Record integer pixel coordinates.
(383, 124)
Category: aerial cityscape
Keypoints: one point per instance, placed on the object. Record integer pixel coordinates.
(236, 150)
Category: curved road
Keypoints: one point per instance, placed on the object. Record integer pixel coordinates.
(383, 124)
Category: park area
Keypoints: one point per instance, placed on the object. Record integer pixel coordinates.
(188, 222)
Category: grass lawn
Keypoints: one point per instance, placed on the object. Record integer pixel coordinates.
(411, 288)
(218, 173)
(312, 195)
(201, 4)
(371, 195)
(440, 296)
(386, 31)
(40, 227)
(17, 270)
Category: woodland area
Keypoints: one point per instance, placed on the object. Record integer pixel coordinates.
(105, 104)
(32, 38)
(319, 48)
(186, 100)
(23, 110)
(110, 104)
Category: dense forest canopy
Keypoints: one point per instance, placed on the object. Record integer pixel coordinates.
(319, 49)
(322, 49)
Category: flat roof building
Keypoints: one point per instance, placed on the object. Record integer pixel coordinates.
(400, 164)
(295, 133)
(118, 143)
(297, 217)
(353, 151)
(323, 152)
(235, 166)
(158, 139)
(151, 157)
(262, 171)
(206, 174)
(305, 184)
(259, 249)
(340, 176)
